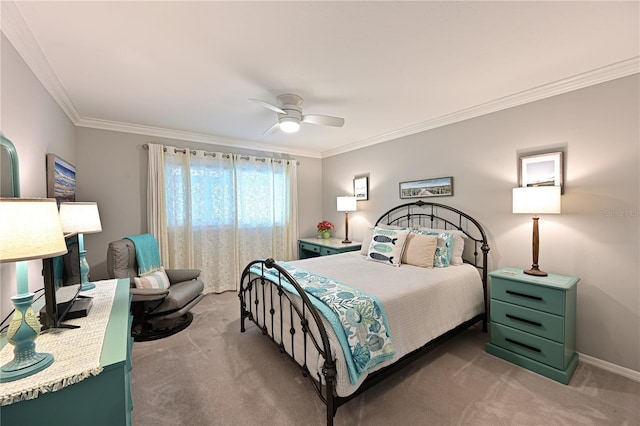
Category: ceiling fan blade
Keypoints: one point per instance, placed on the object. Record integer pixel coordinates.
(271, 129)
(268, 105)
(323, 120)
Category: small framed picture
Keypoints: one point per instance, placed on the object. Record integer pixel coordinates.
(541, 169)
(61, 179)
(361, 188)
(438, 187)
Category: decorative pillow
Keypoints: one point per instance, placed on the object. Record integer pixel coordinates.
(387, 245)
(368, 235)
(419, 250)
(156, 279)
(458, 243)
(442, 257)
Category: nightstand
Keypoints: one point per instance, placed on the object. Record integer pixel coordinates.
(314, 247)
(533, 322)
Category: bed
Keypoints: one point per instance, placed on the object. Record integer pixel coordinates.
(404, 311)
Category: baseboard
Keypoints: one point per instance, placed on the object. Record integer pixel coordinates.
(623, 371)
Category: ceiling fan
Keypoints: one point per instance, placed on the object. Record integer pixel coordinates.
(290, 115)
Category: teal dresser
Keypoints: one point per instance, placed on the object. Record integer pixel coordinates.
(104, 399)
(314, 247)
(533, 322)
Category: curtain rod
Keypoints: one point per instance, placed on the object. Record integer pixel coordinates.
(213, 154)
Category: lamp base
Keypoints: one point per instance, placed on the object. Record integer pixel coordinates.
(346, 241)
(87, 286)
(536, 272)
(22, 333)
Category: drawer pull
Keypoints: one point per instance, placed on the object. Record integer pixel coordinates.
(528, 296)
(522, 344)
(513, 317)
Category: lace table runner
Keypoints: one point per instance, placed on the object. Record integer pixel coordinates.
(76, 352)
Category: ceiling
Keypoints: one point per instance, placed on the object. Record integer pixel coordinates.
(186, 70)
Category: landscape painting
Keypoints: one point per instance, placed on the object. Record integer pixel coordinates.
(61, 179)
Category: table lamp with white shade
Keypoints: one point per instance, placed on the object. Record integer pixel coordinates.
(81, 218)
(30, 229)
(346, 205)
(536, 200)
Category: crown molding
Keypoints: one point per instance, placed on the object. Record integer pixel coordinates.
(21, 37)
(580, 81)
(158, 132)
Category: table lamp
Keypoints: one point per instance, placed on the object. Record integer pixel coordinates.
(346, 205)
(30, 229)
(81, 218)
(536, 200)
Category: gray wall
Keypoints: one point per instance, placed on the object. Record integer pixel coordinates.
(112, 170)
(596, 236)
(36, 125)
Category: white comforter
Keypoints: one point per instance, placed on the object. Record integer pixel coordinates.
(421, 304)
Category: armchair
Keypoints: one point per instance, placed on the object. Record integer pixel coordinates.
(157, 312)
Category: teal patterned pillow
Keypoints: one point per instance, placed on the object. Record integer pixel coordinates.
(387, 245)
(442, 258)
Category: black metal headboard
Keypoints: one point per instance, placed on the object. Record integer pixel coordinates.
(440, 216)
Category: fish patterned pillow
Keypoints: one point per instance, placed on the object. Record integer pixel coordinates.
(442, 257)
(387, 245)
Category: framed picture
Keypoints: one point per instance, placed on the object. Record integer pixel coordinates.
(438, 187)
(541, 169)
(61, 179)
(361, 188)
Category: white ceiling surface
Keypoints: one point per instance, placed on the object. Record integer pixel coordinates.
(187, 69)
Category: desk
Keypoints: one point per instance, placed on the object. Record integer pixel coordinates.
(104, 399)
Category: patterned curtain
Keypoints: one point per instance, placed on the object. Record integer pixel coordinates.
(222, 211)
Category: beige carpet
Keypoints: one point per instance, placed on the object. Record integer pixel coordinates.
(211, 374)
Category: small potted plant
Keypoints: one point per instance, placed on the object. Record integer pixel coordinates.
(324, 229)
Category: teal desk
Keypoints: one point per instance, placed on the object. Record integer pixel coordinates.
(104, 399)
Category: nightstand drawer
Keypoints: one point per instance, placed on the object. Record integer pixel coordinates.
(327, 251)
(530, 346)
(532, 296)
(309, 247)
(539, 323)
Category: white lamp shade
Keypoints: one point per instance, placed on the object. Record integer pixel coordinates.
(30, 229)
(536, 199)
(80, 218)
(346, 204)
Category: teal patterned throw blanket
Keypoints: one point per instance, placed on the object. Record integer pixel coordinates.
(147, 253)
(358, 319)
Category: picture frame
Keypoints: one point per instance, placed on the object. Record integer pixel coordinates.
(435, 187)
(61, 179)
(544, 169)
(361, 188)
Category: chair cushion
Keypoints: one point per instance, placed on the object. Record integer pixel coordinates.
(180, 294)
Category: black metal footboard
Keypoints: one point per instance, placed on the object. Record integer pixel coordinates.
(289, 322)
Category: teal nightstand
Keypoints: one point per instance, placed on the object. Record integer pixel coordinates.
(533, 322)
(314, 247)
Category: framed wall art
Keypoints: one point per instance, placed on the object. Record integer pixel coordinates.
(437, 187)
(541, 169)
(361, 188)
(61, 179)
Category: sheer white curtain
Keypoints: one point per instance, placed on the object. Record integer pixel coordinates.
(223, 211)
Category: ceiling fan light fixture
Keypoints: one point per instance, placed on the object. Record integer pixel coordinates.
(289, 124)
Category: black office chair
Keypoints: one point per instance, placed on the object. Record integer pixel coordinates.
(157, 312)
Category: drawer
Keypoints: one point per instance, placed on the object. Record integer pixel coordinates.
(539, 323)
(324, 251)
(533, 347)
(544, 299)
(309, 247)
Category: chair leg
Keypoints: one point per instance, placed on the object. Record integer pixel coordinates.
(153, 329)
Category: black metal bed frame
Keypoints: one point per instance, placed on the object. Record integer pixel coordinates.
(304, 318)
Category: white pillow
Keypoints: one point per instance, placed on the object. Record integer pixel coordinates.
(387, 245)
(156, 279)
(458, 242)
